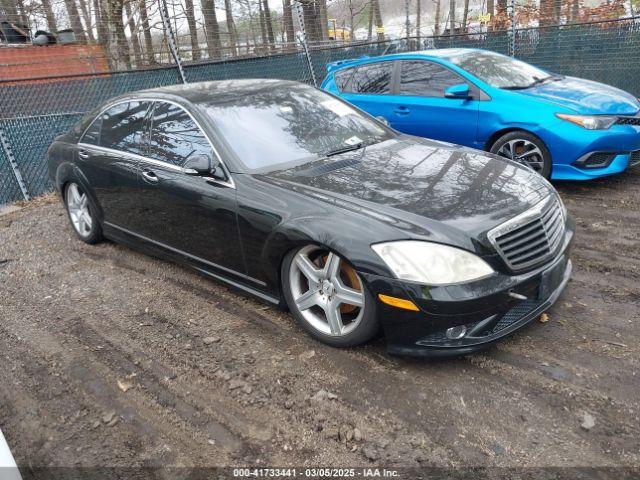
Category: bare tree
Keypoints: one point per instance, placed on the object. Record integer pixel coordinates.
(287, 19)
(193, 29)
(74, 20)
(48, 13)
(452, 17)
(116, 41)
(323, 20)
(231, 28)
(418, 15)
(146, 30)
(465, 15)
(491, 10)
(212, 28)
(133, 32)
(377, 18)
(268, 23)
(86, 16)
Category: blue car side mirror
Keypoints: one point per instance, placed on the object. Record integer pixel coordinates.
(460, 91)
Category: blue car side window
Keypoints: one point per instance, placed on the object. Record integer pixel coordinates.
(372, 78)
(426, 79)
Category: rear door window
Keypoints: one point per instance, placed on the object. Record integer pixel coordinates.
(175, 136)
(343, 79)
(426, 79)
(373, 78)
(119, 128)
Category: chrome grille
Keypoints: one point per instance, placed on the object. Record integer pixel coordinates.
(532, 237)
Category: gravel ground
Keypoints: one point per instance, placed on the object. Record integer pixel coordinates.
(112, 358)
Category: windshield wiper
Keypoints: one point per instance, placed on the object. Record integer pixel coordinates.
(347, 148)
(537, 81)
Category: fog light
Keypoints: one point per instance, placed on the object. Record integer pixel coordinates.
(456, 333)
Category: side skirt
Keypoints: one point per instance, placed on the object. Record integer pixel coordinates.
(158, 249)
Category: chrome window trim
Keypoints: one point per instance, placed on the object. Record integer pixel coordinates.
(229, 182)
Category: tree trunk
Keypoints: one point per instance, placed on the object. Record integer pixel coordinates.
(436, 27)
(490, 10)
(74, 20)
(148, 40)
(452, 17)
(9, 9)
(231, 28)
(370, 28)
(324, 21)
(546, 12)
(211, 27)
(377, 17)
(287, 19)
(116, 40)
(133, 31)
(100, 25)
(88, 23)
(418, 23)
(193, 29)
(268, 23)
(22, 13)
(48, 13)
(465, 15)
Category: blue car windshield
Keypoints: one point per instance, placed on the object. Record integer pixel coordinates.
(500, 71)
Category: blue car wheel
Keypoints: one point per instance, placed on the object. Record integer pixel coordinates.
(525, 148)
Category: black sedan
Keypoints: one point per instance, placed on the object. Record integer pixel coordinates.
(293, 195)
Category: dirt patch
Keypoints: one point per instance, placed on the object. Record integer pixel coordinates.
(112, 358)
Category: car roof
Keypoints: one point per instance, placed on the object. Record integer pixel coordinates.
(216, 92)
(441, 53)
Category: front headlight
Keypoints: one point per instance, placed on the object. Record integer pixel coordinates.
(431, 263)
(590, 122)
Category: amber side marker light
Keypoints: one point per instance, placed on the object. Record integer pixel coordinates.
(398, 302)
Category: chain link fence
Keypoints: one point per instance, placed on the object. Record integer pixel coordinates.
(49, 80)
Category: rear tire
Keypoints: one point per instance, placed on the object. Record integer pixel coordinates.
(81, 212)
(328, 298)
(525, 148)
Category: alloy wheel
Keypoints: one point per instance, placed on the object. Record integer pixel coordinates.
(523, 151)
(78, 206)
(327, 291)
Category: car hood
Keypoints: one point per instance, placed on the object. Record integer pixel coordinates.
(585, 96)
(423, 185)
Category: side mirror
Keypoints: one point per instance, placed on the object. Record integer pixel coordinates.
(460, 91)
(197, 165)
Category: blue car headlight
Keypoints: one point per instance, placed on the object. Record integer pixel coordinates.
(590, 122)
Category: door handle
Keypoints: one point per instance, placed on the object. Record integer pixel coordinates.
(150, 176)
(402, 110)
(83, 154)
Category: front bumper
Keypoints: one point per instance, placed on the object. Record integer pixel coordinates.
(569, 143)
(487, 309)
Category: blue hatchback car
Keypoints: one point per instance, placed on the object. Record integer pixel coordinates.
(565, 128)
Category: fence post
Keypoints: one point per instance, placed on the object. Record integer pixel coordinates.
(14, 166)
(512, 45)
(171, 41)
(303, 40)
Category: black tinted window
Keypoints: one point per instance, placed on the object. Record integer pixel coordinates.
(372, 78)
(175, 136)
(426, 79)
(92, 135)
(343, 79)
(122, 126)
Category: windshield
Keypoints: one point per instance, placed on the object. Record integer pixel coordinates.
(500, 71)
(278, 125)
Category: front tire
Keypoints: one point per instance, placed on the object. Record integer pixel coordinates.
(327, 297)
(524, 147)
(82, 214)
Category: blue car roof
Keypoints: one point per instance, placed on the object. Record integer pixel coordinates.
(443, 53)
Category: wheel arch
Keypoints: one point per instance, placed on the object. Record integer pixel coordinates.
(496, 135)
(67, 173)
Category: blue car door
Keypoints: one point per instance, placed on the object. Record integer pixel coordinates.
(421, 108)
(369, 87)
